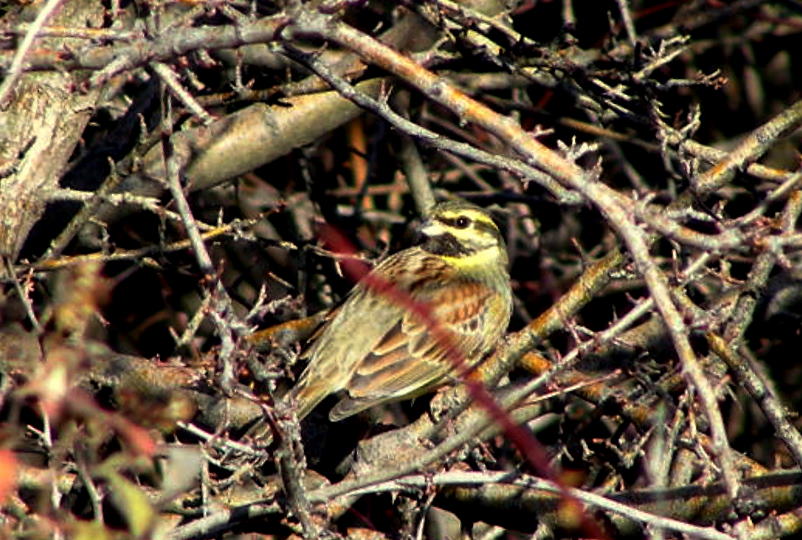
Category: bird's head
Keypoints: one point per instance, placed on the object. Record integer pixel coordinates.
(464, 233)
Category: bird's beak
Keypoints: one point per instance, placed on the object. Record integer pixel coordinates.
(427, 229)
(430, 228)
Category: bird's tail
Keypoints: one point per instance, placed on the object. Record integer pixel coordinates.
(306, 397)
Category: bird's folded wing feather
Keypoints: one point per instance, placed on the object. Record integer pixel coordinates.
(410, 358)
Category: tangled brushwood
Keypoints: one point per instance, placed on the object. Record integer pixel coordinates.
(417, 269)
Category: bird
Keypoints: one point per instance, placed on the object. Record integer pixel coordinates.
(374, 350)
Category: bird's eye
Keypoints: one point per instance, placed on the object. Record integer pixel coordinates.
(462, 222)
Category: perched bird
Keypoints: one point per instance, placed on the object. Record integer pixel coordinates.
(374, 350)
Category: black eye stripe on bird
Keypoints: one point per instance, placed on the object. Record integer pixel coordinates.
(487, 227)
(460, 222)
(463, 222)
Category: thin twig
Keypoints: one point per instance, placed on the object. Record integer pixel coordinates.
(14, 71)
